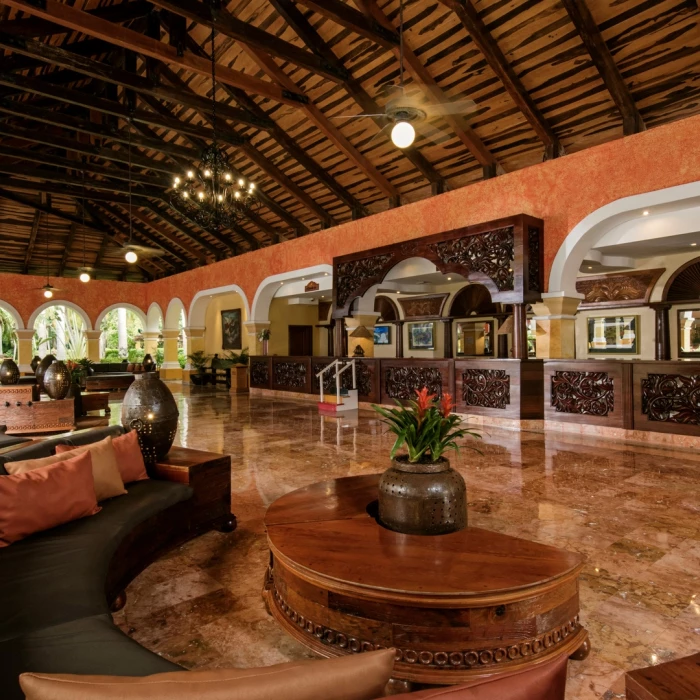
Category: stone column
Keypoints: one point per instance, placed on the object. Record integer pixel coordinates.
(150, 343)
(24, 350)
(171, 367)
(194, 338)
(255, 346)
(121, 332)
(556, 319)
(398, 325)
(502, 339)
(92, 338)
(519, 332)
(662, 334)
(447, 327)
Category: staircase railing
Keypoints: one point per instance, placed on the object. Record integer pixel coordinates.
(340, 367)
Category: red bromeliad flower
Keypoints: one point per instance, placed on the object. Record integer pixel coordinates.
(424, 402)
(446, 405)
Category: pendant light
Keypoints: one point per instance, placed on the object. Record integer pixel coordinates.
(402, 133)
(130, 256)
(84, 275)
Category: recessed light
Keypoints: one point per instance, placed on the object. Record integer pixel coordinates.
(303, 278)
(281, 284)
(645, 212)
(322, 297)
(449, 278)
(398, 292)
(590, 267)
(325, 274)
(692, 245)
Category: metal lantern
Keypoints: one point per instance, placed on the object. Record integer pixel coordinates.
(41, 368)
(57, 380)
(150, 409)
(148, 363)
(422, 499)
(35, 363)
(9, 372)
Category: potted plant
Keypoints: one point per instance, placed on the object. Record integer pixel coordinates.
(238, 363)
(264, 337)
(421, 494)
(198, 360)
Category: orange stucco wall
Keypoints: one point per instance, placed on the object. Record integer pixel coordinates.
(561, 192)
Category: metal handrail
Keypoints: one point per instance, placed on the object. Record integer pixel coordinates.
(338, 372)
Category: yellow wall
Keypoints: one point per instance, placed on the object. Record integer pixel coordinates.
(212, 323)
(283, 315)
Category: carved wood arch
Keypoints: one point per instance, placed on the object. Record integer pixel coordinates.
(473, 299)
(387, 308)
(506, 256)
(684, 284)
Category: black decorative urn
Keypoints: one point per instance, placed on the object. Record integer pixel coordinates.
(41, 368)
(57, 380)
(35, 363)
(422, 499)
(9, 372)
(148, 363)
(150, 409)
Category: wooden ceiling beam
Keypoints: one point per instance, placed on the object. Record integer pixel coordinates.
(324, 124)
(33, 27)
(279, 134)
(67, 249)
(491, 51)
(228, 25)
(32, 240)
(296, 20)
(58, 56)
(435, 94)
(604, 62)
(348, 17)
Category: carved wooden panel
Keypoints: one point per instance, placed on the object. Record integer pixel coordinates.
(260, 373)
(584, 393)
(491, 253)
(671, 398)
(402, 382)
(290, 375)
(685, 283)
(354, 275)
(534, 271)
(428, 306)
(617, 289)
(488, 388)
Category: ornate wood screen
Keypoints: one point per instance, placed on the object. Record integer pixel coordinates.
(506, 256)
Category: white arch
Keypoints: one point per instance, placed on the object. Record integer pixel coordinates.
(198, 307)
(154, 317)
(60, 302)
(267, 288)
(135, 309)
(5, 306)
(172, 315)
(590, 230)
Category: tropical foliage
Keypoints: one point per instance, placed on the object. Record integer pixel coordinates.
(60, 331)
(110, 334)
(8, 337)
(231, 359)
(199, 360)
(426, 427)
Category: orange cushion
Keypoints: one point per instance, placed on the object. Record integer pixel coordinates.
(544, 681)
(45, 497)
(129, 457)
(353, 677)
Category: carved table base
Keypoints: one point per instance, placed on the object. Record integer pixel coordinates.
(455, 607)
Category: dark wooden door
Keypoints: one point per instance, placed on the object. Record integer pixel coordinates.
(301, 341)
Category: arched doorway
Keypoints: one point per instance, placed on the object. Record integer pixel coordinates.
(121, 329)
(60, 329)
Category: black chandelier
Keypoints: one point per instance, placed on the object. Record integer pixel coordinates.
(211, 193)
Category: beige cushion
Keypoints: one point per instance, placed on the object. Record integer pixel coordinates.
(105, 471)
(354, 677)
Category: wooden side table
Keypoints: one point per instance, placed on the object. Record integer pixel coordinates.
(674, 680)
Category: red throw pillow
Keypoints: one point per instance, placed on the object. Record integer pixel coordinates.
(129, 457)
(46, 497)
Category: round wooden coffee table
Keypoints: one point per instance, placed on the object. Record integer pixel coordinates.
(459, 606)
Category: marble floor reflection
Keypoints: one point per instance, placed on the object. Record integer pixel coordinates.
(633, 511)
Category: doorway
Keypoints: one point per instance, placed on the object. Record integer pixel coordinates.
(301, 341)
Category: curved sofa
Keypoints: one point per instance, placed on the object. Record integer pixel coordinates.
(56, 586)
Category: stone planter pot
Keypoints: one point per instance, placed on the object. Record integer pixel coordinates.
(57, 380)
(9, 372)
(198, 378)
(41, 369)
(422, 499)
(150, 409)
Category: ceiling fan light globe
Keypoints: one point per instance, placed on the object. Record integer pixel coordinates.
(130, 256)
(84, 277)
(403, 134)
(48, 293)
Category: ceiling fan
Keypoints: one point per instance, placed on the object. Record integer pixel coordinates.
(407, 110)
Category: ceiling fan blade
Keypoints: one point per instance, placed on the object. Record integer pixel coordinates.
(462, 107)
(437, 136)
(144, 250)
(356, 116)
(378, 133)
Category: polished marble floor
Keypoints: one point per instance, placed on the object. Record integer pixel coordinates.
(634, 511)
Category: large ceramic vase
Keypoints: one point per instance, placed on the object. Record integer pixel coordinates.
(57, 380)
(41, 369)
(422, 499)
(9, 372)
(150, 409)
(148, 363)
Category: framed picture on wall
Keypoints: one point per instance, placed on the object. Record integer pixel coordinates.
(231, 329)
(382, 335)
(613, 335)
(689, 333)
(421, 336)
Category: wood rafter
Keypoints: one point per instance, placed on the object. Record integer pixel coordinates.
(32, 240)
(587, 29)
